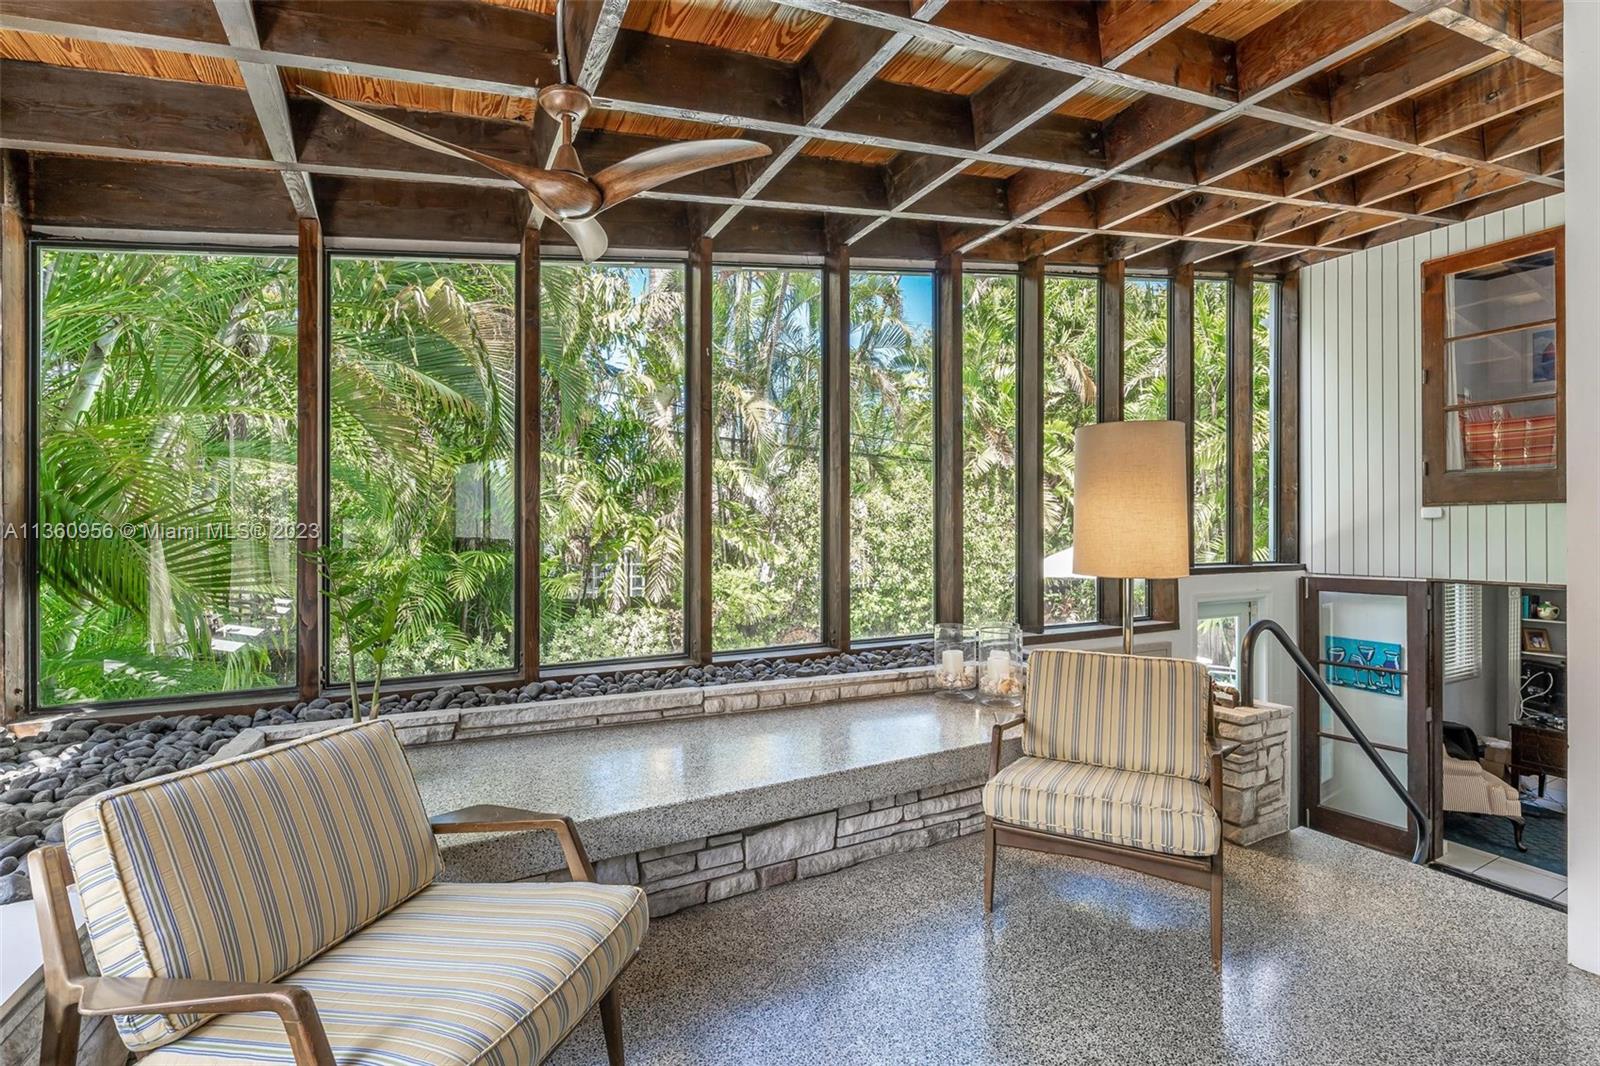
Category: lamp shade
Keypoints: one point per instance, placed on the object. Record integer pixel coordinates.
(1130, 509)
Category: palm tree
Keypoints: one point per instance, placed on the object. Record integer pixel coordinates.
(166, 441)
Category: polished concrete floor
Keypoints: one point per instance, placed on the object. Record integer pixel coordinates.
(1334, 954)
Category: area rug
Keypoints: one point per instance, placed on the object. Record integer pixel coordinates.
(1545, 834)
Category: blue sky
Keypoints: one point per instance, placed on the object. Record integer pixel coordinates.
(918, 290)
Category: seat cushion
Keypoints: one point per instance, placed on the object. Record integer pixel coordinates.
(1128, 712)
(1152, 812)
(458, 974)
(245, 869)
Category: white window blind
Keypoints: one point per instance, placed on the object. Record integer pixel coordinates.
(1463, 631)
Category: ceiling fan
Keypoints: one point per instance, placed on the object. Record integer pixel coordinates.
(564, 192)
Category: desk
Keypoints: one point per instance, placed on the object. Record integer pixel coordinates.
(1538, 750)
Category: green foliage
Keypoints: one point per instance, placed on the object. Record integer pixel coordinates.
(167, 405)
(165, 473)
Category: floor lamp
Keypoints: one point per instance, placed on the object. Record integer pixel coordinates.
(1130, 506)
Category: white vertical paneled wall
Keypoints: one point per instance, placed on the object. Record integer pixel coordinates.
(1361, 428)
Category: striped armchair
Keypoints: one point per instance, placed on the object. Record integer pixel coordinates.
(285, 907)
(1117, 765)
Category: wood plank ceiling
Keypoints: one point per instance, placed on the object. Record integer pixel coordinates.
(1225, 133)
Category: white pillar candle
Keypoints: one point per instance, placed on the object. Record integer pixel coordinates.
(952, 660)
(999, 663)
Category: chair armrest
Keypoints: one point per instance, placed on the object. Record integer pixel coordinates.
(293, 1005)
(996, 736)
(493, 818)
(1219, 750)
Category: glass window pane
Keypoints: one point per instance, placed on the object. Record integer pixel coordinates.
(989, 423)
(1264, 421)
(891, 454)
(422, 379)
(1211, 420)
(1349, 782)
(1502, 436)
(1071, 359)
(1145, 350)
(766, 373)
(1516, 364)
(611, 463)
(1513, 293)
(166, 474)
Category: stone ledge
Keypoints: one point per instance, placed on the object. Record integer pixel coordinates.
(416, 728)
(705, 870)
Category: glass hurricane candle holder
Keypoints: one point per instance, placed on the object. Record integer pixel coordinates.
(1001, 672)
(955, 666)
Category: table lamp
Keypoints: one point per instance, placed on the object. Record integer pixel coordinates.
(1130, 507)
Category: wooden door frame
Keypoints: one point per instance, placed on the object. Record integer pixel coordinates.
(1423, 727)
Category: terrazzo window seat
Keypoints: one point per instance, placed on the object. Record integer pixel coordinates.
(729, 793)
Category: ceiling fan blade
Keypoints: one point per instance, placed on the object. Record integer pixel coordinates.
(657, 166)
(554, 192)
(588, 235)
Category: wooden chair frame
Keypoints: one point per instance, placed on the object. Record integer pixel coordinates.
(1189, 870)
(71, 994)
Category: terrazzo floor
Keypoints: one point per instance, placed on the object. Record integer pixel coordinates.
(1334, 954)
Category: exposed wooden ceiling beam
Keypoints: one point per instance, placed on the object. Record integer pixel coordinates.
(1426, 57)
(1531, 127)
(1128, 27)
(839, 65)
(589, 33)
(1500, 24)
(1271, 62)
(760, 94)
(1482, 97)
(1207, 153)
(45, 107)
(262, 83)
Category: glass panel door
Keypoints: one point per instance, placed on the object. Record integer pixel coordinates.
(1372, 645)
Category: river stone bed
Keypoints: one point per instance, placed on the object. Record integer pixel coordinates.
(45, 775)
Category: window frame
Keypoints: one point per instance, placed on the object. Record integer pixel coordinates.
(799, 648)
(1440, 485)
(142, 706)
(519, 666)
(1463, 604)
(931, 271)
(532, 644)
(527, 259)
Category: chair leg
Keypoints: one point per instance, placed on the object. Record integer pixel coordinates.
(1216, 912)
(58, 1045)
(988, 865)
(611, 1022)
(1516, 832)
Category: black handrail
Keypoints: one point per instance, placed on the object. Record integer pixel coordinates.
(1313, 675)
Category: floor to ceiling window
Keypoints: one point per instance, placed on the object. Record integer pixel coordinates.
(766, 411)
(1146, 362)
(1071, 361)
(165, 474)
(1264, 419)
(989, 428)
(612, 461)
(1211, 420)
(1146, 326)
(422, 431)
(891, 454)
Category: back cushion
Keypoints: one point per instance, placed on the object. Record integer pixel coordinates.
(245, 869)
(1127, 712)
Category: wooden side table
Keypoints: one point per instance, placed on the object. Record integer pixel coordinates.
(1538, 750)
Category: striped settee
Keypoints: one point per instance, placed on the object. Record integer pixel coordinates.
(313, 865)
(1117, 764)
